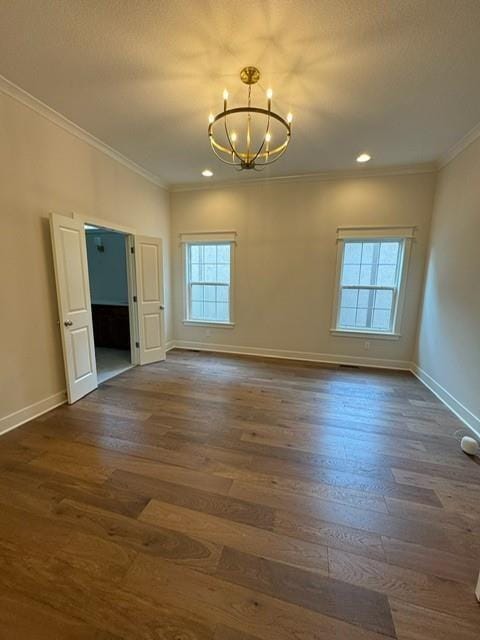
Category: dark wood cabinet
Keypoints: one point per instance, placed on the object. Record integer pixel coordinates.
(111, 326)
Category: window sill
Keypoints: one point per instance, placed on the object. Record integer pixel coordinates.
(376, 335)
(207, 323)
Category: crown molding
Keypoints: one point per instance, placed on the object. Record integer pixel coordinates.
(17, 93)
(324, 176)
(459, 146)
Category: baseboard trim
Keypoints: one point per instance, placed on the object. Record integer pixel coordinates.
(321, 358)
(14, 420)
(170, 345)
(468, 418)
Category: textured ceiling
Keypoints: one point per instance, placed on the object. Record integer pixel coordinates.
(398, 78)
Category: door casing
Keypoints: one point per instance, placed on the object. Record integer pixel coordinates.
(133, 306)
(131, 280)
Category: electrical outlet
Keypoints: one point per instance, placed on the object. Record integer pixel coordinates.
(366, 344)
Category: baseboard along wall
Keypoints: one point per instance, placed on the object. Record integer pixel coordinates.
(21, 416)
(321, 358)
(468, 418)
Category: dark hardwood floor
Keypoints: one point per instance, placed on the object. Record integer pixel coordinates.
(218, 497)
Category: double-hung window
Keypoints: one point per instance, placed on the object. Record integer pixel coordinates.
(371, 279)
(208, 279)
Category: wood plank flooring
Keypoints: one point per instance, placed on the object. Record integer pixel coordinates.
(215, 497)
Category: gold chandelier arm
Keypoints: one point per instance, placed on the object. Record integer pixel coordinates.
(263, 141)
(245, 159)
(234, 151)
(249, 120)
(283, 149)
(265, 112)
(243, 156)
(232, 164)
(220, 147)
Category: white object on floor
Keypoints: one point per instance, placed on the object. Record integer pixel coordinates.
(469, 445)
(477, 590)
(111, 362)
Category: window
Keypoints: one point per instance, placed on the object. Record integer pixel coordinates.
(370, 283)
(208, 282)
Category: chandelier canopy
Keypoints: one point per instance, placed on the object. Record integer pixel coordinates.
(249, 137)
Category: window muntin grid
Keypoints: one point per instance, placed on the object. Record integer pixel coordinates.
(208, 282)
(369, 284)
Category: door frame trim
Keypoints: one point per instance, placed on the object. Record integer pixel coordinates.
(106, 224)
(129, 233)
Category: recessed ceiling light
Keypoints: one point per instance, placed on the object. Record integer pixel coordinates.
(364, 157)
(207, 173)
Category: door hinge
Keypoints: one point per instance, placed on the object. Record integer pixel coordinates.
(134, 298)
(137, 344)
(132, 249)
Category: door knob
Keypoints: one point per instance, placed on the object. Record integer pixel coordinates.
(162, 307)
(68, 323)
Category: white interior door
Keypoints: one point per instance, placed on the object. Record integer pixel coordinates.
(74, 309)
(151, 314)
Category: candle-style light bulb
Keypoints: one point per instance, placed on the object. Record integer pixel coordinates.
(289, 117)
(225, 98)
(268, 137)
(211, 118)
(233, 137)
(269, 98)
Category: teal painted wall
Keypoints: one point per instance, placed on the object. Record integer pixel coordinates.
(107, 269)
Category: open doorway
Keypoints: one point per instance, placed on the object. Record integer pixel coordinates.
(110, 297)
(142, 262)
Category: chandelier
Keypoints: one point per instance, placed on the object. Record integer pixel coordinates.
(249, 137)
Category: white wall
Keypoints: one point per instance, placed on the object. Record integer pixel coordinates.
(44, 168)
(448, 350)
(285, 260)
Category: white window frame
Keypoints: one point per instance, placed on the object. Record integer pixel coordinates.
(215, 237)
(402, 234)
